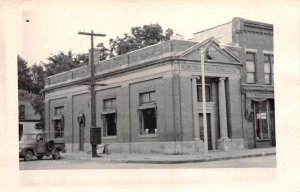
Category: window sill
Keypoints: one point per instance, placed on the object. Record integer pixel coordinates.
(148, 136)
(109, 137)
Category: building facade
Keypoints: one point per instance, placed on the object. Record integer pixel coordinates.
(27, 116)
(152, 101)
(255, 41)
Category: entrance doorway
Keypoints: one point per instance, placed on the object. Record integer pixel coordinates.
(209, 135)
(264, 123)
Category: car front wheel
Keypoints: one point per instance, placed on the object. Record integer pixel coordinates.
(56, 154)
(28, 155)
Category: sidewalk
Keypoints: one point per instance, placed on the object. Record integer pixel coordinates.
(173, 159)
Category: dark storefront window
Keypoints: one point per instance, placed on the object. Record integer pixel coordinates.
(147, 112)
(261, 120)
(109, 117)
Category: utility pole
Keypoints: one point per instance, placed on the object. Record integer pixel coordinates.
(92, 86)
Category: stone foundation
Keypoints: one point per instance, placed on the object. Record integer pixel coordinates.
(184, 147)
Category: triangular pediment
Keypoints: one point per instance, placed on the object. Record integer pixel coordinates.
(214, 53)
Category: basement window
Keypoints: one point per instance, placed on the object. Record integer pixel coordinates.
(148, 113)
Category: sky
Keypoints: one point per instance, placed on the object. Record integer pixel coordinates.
(53, 26)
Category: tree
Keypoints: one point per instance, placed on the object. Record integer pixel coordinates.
(140, 37)
(38, 104)
(104, 52)
(38, 75)
(62, 62)
(24, 76)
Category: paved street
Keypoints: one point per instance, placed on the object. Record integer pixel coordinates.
(48, 163)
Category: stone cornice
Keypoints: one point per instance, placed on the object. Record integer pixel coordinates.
(253, 88)
(110, 74)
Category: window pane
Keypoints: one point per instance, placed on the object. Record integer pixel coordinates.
(145, 97)
(111, 127)
(107, 104)
(267, 58)
(267, 79)
(250, 66)
(267, 68)
(250, 78)
(149, 120)
(59, 110)
(152, 96)
(250, 57)
(207, 93)
(113, 103)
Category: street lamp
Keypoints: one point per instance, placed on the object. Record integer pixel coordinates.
(202, 56)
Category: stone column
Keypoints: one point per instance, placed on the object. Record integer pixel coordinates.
(195, 110)
(223, 140)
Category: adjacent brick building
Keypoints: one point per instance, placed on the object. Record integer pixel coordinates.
(255, 41)
(152, 102)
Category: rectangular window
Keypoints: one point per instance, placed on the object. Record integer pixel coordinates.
(147, 97)
(109, 117)
(59, 122)
(268, 68)
(59, 110)
(207, 93)
(261, 118)
(250, 67)
(147, 112)
(21, 111)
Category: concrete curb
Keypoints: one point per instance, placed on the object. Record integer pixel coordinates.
(208, 159)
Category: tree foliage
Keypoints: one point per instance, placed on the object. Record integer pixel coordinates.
(38, 75)
(62, 62)
(140, 37)
(24, 77)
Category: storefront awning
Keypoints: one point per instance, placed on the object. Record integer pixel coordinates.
(57, 117)
(257, 97)
(147, 106)
(111, 111)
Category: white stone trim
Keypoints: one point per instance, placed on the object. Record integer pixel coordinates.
(268, 52)
(251, 50)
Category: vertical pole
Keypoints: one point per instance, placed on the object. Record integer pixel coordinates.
(92, 89)
(93, 94)
(195, 110)
(202, 52)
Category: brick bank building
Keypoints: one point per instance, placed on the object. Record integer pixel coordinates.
(153, 99)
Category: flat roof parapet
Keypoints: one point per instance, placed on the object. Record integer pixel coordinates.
(126, 60)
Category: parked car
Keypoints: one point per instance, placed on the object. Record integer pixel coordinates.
(37, 144)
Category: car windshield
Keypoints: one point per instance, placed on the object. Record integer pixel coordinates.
(28, 138)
